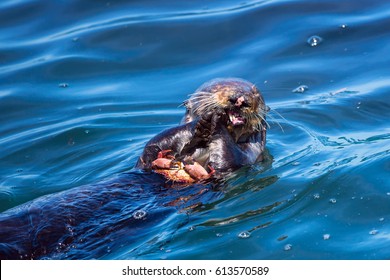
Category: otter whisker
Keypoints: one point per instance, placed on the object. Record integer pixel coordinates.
(250, 122)
(200, 94)
(202, 100)
(203, 103)
(199, 111)
(275, 120)
(273, 110)
(261, 119)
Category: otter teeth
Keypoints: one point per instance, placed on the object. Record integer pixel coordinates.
(235, 118)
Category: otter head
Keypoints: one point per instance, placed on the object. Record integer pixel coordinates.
(240, 101)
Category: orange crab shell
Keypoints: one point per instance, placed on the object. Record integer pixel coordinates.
(176, 175)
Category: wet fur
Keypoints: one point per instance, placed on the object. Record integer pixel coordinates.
(83, 220)
(207, 136)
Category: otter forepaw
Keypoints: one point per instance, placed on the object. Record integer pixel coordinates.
(204, 127)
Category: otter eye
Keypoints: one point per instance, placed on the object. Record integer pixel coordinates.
(233, 99)
(245, 104)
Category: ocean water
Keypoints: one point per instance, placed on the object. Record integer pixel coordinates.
(85, 84)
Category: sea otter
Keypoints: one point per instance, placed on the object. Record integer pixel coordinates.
(224, 128)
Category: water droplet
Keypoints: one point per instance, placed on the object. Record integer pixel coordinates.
(86, 131)
(287, 247)
(316, 196)
(295, 163)
(333, 200)
(219, 234)
(343, 26)
(381, 219)
(139, 214)
(326, 236)
(191, 228)
(244, 234)
(388, 193)
(301, 89)
(63, 85)
(314, 40)
(374, 231)
(75, 39)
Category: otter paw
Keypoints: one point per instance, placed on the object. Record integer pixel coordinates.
(204, 127)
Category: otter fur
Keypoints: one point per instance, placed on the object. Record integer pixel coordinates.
(224, 127)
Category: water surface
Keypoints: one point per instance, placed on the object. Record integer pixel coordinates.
(85, 84)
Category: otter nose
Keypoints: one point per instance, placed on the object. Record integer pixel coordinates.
(239, 101)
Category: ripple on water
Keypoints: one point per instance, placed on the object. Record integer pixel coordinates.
(244, 234)
(139, 214)
(94, 77)
(63, 85)
(300, 89)
(314, 40)
(374, 232)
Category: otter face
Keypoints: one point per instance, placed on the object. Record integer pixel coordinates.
(240, 100)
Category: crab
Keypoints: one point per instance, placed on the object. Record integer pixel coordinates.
(178, 171)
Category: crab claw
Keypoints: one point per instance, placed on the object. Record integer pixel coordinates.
(165, 154)
(166, 161)
(162, 163)
(197, 171)
(212, 170)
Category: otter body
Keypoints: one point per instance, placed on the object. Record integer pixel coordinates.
(224, 127)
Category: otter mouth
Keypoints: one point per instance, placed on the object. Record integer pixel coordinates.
(236, 118)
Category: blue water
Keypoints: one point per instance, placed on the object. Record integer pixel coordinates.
(85, 84)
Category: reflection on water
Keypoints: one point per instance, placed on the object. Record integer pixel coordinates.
(85, 85)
